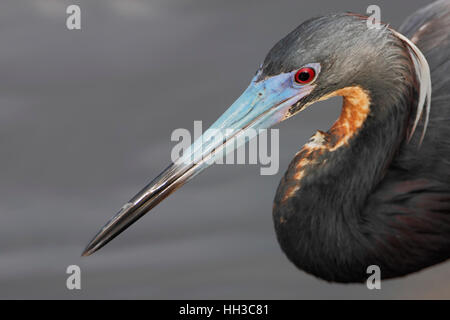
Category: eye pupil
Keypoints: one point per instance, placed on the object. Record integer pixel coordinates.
(305, 75)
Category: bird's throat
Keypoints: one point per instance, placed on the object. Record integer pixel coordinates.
(355, 110)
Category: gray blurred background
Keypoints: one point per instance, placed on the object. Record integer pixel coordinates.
(85, 122)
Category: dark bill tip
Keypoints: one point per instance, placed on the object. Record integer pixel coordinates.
(122, 220)
(156, 191)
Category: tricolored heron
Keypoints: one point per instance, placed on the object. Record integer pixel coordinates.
(375, 188)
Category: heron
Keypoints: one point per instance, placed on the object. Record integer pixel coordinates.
(375, 188)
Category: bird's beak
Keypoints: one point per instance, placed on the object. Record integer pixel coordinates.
(263, 104)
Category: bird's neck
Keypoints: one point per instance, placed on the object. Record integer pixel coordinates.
(353, 155)
(320, 200)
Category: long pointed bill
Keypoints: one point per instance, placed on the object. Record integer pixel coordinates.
(263, 104)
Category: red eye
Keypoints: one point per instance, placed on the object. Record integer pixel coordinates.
(305, 75)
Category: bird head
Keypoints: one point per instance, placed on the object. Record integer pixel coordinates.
(323, 57)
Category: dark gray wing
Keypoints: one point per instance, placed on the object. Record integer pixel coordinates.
(429, 28)
(415, 193)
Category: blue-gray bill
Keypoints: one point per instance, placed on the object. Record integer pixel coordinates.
(263, 104)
